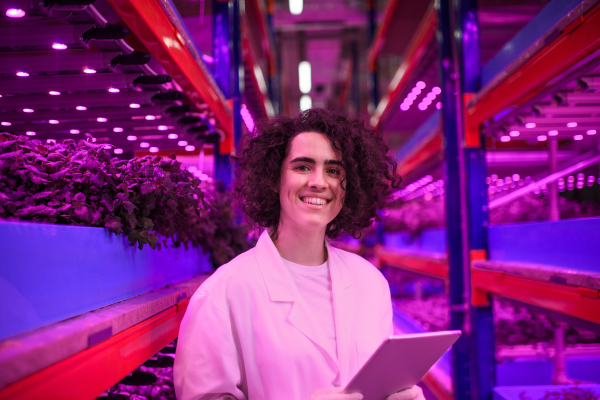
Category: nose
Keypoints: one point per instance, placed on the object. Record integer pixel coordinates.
(317, 179)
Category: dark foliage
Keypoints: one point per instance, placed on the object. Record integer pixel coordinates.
(145, 199)
(572, 393)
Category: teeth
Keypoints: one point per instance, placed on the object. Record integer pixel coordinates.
(314, 200)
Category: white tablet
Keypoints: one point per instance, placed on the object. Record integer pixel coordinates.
(399, 363)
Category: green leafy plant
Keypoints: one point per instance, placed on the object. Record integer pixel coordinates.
(151, 200)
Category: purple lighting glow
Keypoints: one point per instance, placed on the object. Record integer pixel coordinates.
(131, 138)
(162, 127)
(150, 117)
(505, 138)
(113, 90)
(15, 13)
(53, 93)
(22, 73)
(182, 143)
(552, 133)
(189, 148)
(404, 107)
(30, 133)
(591, 132)
(172, 136)
(117, 129)
(5, 123)
(118, 151)
(247, 117)
(101, 119)
(436, 90)
(542, 138)
(153, 149)
(420, 85)
(89, 71)
(53, 121)
(50, 141)
(74, 131)
(438, 105)
(59, 46)
(81, 108)
(572, 125)
(28, 110)
(530, 125)
(145, 145)
(578, 137)
(514, 133)
(134, 105)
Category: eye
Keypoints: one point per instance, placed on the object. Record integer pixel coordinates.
(333, 171)
(301, 168)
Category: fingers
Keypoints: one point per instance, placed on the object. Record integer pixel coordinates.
(334, 394)
(414, 393)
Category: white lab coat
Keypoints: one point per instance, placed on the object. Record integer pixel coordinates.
(248, 334)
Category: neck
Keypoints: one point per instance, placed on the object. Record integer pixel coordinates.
(301, 247)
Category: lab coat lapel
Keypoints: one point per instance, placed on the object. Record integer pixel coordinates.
(282, 288)
(343, 309)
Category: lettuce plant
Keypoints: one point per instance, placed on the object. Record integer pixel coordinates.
(80, 184)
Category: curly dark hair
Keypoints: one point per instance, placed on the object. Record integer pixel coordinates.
(370, 170)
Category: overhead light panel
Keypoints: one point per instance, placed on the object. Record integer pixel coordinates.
(296, 7)
(304, 76)
(305, 102)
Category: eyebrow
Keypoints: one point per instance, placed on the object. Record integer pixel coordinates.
(312, 161)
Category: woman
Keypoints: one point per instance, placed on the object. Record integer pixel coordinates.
(294, 317)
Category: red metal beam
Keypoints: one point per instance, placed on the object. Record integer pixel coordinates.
(423, 37)
(249, 59)
(88, 373)
(436, 388)
(148, 21)
(431, 266)
(577, 42)
(430, 149)
(380, 35)
(565, 299)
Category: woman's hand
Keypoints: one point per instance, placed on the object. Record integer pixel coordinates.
(414, 393)
(334, 394)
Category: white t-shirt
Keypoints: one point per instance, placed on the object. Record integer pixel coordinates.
(314, 285)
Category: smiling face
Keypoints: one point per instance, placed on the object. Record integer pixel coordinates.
(310, 189)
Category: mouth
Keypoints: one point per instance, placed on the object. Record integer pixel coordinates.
(316, 201)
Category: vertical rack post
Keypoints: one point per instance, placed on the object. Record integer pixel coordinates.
(237, 72)
(373, 74)
(482, 334)
(273, 65)
(456, 223)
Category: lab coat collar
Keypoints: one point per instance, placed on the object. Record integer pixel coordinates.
(281, 288)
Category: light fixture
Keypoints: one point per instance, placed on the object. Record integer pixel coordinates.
(74, 131)
(172, 136)
(438, 105)
(149, 117)
(552, 133)
(28, 110)
(436, 90)
(81, 108)
(542, 138)
(189, 147)
(505, 138)
(94, 140)
(118, 151)
(5, 123)
(134, 105)
(514, 133)
(182, 143)
(101, 119)
(30, 133)
(422, 106)
(411, 96)
(22, 73)
(304, 76)
(404, 107)
(144, 144)
(162, 127)
(296, 7)
(153, 149)
(530, 125)
(53, 93)
(571, 124)
(131, 138)
(113, 90)
(117, 129)
(59, 46)
(89, 71)
(416, 91)
(591, 132)
(305, 102)
(578, 137)
(420, 85)
(15, 13)
(50, 141)
(53, 121)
